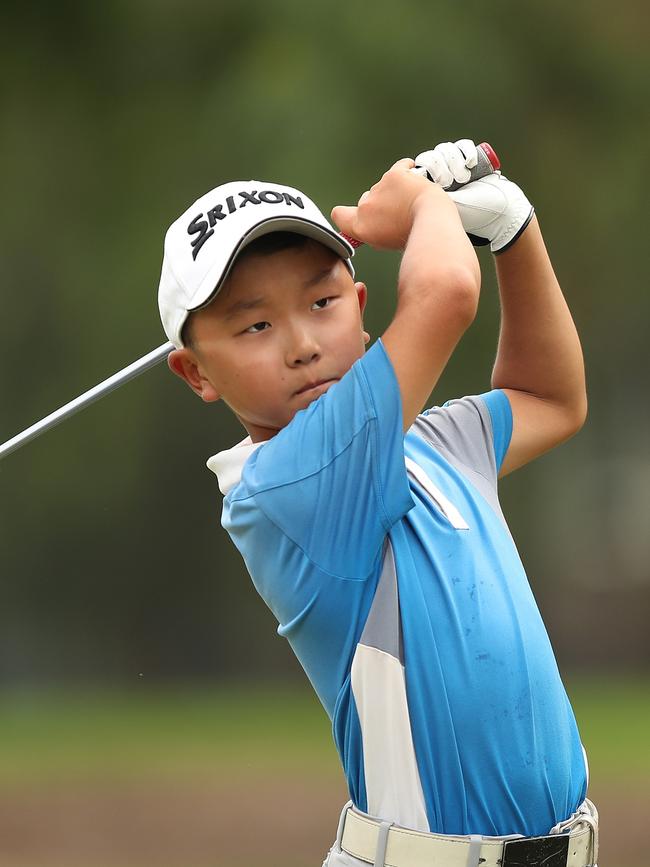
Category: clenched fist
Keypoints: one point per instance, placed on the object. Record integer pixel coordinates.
(384, 214)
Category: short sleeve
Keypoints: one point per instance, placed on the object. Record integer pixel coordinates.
(334, 480)
(473, 431)
(501, 417)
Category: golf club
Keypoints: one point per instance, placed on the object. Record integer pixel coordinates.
(488, 162)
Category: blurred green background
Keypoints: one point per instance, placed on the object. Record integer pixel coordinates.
(147, 706)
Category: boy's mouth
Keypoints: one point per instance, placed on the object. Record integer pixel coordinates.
(315, 386)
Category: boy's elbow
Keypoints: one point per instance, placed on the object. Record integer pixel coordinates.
(575, 416)
(582, 411)
(464, 286)
(446, 295)
(461, 287)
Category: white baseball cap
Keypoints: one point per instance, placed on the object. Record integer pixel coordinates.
(203, 243)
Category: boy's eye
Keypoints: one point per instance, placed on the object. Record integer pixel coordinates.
(322, 303)
(257, 327)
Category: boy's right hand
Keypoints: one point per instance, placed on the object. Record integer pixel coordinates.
(384, 215)
(493, 210)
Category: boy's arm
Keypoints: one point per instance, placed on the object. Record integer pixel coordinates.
(539, 361)
(439, 278)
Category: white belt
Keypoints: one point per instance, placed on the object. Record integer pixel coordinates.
(574, 843)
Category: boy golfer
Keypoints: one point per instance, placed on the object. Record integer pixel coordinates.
(371, 526)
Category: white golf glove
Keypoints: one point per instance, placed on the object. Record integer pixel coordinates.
(492, 209)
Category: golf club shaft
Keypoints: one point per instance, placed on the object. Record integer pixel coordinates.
(85, 399)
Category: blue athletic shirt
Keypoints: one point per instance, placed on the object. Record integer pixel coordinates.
(389, 566)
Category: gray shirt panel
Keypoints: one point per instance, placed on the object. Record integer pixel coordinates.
(461, 431)
(383, 628)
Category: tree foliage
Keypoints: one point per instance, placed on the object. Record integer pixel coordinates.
(115, 117)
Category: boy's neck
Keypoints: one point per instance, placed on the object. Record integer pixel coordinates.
(257, 433)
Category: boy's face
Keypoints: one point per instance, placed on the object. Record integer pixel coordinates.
(283, 329)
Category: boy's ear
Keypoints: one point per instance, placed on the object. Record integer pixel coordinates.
(184, 363)
(362, 295)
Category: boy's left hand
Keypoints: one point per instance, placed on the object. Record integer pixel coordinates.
(385, 213)
(493, 209)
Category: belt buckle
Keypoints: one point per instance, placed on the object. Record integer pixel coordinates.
(550, 851)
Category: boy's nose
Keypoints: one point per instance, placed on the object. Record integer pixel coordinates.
(302, 349)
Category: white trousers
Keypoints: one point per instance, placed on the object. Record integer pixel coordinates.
(342, 859)
(336, 857)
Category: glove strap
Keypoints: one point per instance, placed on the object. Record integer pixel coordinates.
(514, 238)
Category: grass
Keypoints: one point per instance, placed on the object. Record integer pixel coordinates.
(185, 733)
(180, 733)
(613, 716)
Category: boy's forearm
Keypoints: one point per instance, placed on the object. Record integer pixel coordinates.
(539, 350)
(438, 253)
(438, 290)
(439, 279)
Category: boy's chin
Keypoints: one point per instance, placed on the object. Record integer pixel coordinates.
(263, 429)
(311, 394)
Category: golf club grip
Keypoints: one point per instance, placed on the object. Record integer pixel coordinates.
(488, 162)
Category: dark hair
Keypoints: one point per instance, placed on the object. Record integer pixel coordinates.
(273, 242)
(265, 245)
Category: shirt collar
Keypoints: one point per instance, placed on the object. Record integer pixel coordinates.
(229, 464)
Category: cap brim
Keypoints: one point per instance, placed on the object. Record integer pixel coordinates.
(214, 279)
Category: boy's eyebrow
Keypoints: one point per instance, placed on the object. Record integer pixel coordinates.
(251, 303)
(241, 306)
(316, 278)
